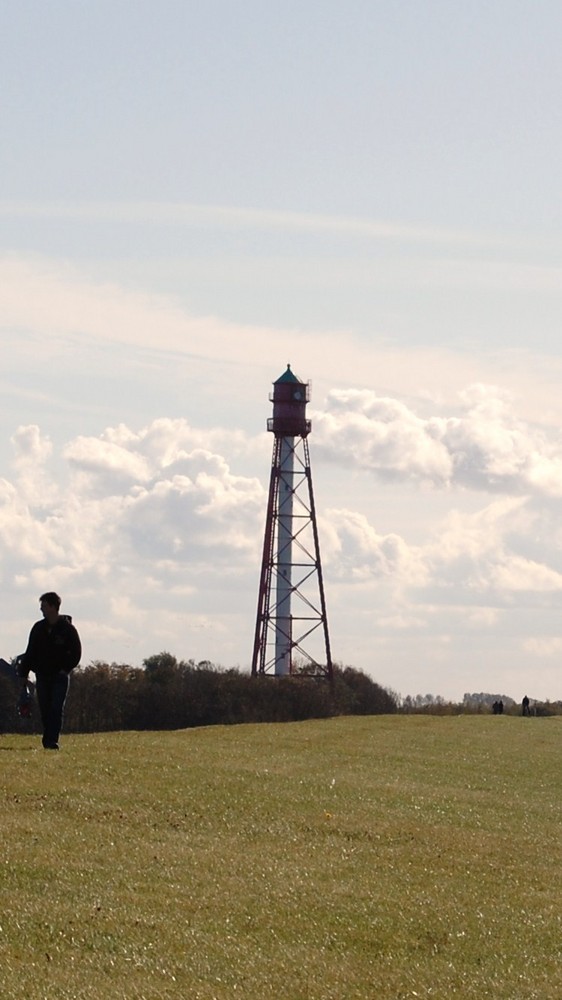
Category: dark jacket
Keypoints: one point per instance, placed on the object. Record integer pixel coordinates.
(51, 648)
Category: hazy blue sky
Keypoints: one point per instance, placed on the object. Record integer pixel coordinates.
(194, 195)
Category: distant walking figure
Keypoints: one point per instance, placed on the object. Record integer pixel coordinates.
(525, 706)
(53, 651)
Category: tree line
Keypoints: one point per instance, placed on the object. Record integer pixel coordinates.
(474, 704)
(167, 693)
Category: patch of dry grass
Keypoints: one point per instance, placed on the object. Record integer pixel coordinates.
(384, 857)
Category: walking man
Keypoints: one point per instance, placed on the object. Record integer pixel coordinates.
(53, 651)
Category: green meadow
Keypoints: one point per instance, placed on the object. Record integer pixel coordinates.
(343, 859)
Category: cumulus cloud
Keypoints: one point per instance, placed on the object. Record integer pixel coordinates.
(163, 502)
(141, 527)
(482, 447)
(481, 561)
(30, 446)
(155, 531)
(32, 451)
(106, 460)
(495, 553)
(127, 498)
(360, 428)
(177, 501)
(209, 514)
(358, 553)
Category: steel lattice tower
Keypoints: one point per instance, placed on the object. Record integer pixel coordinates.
(291, 634)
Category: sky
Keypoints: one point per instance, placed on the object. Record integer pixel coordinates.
(195, 195)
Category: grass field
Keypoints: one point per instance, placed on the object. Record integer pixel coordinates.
(382, 857)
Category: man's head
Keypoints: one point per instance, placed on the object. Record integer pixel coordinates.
(50, 604)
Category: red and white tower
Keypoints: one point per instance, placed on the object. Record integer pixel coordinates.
(291, 634)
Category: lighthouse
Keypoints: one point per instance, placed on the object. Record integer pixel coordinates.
(291, 635)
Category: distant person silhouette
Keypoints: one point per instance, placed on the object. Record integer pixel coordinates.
(525, 710)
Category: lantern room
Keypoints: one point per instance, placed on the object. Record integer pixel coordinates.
(289, 398)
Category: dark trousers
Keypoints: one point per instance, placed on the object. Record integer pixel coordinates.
(51, 695)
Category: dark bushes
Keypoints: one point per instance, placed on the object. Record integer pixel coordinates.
(171, 694)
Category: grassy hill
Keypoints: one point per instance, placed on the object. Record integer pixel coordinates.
(343, 859)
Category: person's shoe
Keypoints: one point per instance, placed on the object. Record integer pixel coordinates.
(50, 746)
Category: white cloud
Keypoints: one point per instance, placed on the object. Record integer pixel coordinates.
(475, 535)
(129, 499)
(546, 647)
(356, 552)
(57, 300)
(482, 617)
(154, 511)
(107, 460)
(480, 553)
(155, 531)
(484, 447)
(30, 446)
(54, 314)
(381, 434)
(519, 574)
(31, 451)
(180, 214)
